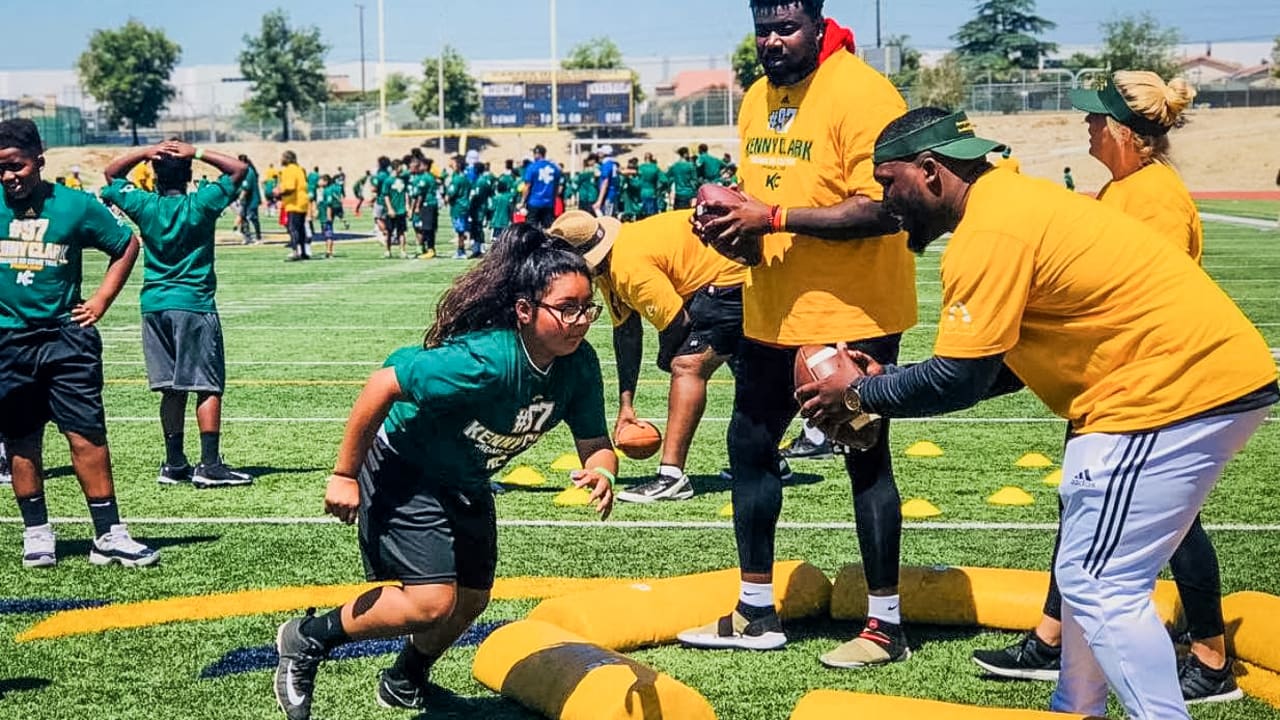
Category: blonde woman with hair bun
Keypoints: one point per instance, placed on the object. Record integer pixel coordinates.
(1129, 122)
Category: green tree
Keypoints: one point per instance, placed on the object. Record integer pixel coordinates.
(461, 94)
(1275, 58)
(746, 63)
(1003, 37)
(399, 87)
(127, 71)
(909, 65)
(1137, 42)
(942, 85)
(286, 67)
(1081, 60)
(601, 53)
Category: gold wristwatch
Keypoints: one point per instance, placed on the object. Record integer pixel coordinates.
(853, 402)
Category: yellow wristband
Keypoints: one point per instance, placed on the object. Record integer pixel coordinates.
(782, 219)
(606, 475)
(199, 155)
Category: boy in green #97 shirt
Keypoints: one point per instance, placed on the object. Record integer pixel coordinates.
(50, 353)
(181, 334)
(505, 362)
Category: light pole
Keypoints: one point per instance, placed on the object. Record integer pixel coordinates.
(555, 104)
(382, 69)
(364, 119)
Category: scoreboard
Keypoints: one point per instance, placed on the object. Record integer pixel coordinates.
(585, 98)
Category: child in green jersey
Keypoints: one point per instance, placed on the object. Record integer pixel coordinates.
(50, 353)
(505, 361)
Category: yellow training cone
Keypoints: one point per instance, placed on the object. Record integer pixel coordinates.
(573, 496)
(1053, 479)
(726, 511)
(1009, 495)
(524, 476)
(924, 448)
(1034, 460)
(567, 461)
(919, 508)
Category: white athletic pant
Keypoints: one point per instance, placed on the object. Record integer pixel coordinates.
(1128, 501)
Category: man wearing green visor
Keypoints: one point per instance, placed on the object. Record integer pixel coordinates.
(1162, 377)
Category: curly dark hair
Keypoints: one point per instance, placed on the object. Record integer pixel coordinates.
(22, 134)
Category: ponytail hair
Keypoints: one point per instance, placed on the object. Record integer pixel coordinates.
(1161, 103)
(522, 264)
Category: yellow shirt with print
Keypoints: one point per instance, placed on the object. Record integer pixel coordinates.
(1102, 318)
(809, 145)
(1157, 196)
(656, 264)
(142, 176)
(293, 189)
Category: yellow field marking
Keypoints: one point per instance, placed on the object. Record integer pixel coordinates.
(191, 608)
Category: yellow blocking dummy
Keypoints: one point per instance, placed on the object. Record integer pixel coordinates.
(1253, 625)
(644, 614)
(833, 704)
(1258, 682)
(987, 597)
(560, 675)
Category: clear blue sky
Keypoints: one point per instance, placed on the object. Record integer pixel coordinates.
(50, 35)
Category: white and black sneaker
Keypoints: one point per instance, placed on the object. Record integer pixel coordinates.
(663, 487)
(39, 549)
(1202, 684)
(1028, 659)
(803, 448)
(784, 472)
(300, 658)
(116, 546)
(174, 474)
(735, 631)
(398, 692)
(219, 475)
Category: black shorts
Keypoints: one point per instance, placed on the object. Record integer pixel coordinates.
(429, 219)
(416, 531)
(183, 351)
(396, 225)
(715, 321)
(52, 373)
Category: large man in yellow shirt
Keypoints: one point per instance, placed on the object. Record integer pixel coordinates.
(657, 269)
(292, 192)
(1162, 377)
(833, 270)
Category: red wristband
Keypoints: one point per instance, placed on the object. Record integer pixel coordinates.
(775, 218)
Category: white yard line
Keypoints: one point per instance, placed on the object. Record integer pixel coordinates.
(632, 524)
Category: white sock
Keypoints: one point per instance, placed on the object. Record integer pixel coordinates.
(813, 434)
(887, 608)
(756, 594)
(670, 471)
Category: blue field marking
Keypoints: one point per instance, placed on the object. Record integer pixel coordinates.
(263, 657)
(27, 606)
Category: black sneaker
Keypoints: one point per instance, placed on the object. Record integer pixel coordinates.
(174, 474)
(660, 488)
(802, 449)
(1028, 659)
(300, 658)
(219, 475)
(1202, 684)
(399, 692)
(784, 472)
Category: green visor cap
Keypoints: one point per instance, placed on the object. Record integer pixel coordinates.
(1108, 101)
(951, 136)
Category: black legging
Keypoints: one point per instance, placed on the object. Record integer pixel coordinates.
(763, 405)
(1195, 571)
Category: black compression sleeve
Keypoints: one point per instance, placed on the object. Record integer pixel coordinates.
(936, 386)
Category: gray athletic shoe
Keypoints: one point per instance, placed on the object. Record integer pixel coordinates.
(300, 658)
(219, 475)
(660, 488)
(117, 546)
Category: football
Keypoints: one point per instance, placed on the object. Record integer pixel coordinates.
(638, 441)
(747, 250)
(815, 362)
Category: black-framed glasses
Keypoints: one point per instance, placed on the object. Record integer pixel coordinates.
(572, 314)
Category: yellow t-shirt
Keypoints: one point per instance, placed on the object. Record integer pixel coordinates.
(272, 173)
(1009, 163)
(73, 182)
(656, 264)
(1102, 318)
(1157, 196)
(142, 176)
(293, 189)
(809, 145)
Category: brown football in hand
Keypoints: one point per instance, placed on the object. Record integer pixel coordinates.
(745, 250)
(816, 362)
(638, 441)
